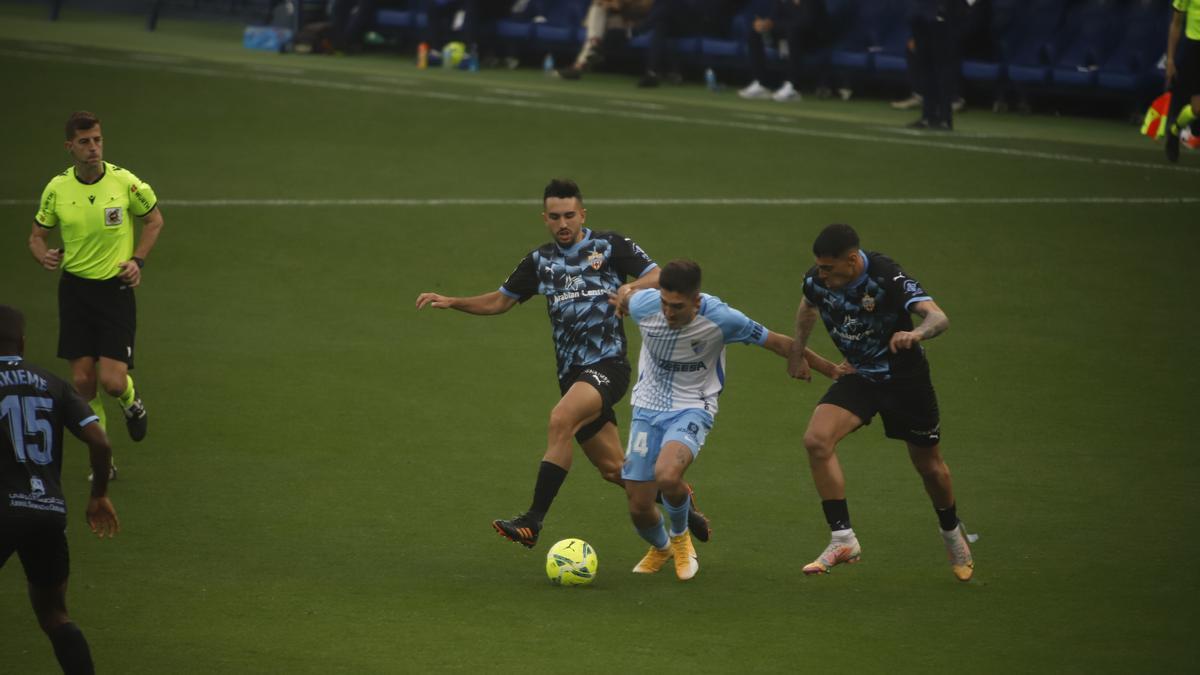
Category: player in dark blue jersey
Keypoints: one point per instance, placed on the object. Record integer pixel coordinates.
(582, 275)
(34, 407)
(866, 302)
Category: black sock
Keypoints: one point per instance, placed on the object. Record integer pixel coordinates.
(837, 514)
(550, 478)
(947, 517)
(72, 650)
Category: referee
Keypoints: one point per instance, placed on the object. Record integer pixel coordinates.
(93, 204)
(1183, 71)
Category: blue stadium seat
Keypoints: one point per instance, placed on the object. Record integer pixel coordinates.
(1132, 65)
(562, 26)
(1034, 48)
(1004, 26)
(865, 32)
(1089, 34)
(892, 56)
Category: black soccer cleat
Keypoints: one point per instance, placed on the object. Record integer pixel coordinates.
(697, 521)
(135, 420)
(522, 529)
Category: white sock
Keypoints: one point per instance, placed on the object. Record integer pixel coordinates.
(845, 534)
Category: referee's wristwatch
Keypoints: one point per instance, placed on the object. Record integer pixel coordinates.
(140, 262)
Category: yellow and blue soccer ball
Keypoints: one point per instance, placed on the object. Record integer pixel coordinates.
(453, 54)
(571, 562)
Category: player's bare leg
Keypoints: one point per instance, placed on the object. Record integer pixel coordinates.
(70, 647)
(83, 377)
(604, 452)
(936, 475)
(114, 378)
(673, 460)
(579, 406)
(827, 427)
(648, 522)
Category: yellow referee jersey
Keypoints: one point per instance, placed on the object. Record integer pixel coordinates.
(96, 220)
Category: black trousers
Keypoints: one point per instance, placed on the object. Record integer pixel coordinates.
(1187, 77)
(936, 62)
(800, 38)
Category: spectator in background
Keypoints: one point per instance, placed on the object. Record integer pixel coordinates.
(604, 16)
(974, 38)
(671, 18)
(934, 24)
(804, 25)
(466, 16)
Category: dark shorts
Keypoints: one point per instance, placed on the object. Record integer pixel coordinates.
(95, 318)
(908, 406)
(41, 544)
(609, 377)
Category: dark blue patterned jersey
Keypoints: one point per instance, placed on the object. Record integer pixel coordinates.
(576, 282)
(863, 316)
(34, 407)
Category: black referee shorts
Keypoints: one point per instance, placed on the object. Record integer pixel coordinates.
(41, 544)
(96, 318)
(610, 377)
(908, 406)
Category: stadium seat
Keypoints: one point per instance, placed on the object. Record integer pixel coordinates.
(1088, 35)
(1132, 65)
(864, 36)
(562, 26)
(1035, 45)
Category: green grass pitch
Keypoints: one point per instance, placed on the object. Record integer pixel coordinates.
(324, 461)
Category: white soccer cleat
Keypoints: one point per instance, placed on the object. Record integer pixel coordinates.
(786, 93)
(959, 552)
(840, 550)
(754, 90)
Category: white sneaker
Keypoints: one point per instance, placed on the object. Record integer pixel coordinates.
(840, 550)
(959, 553)
(786, 93)
(909, 103)
(754, 90)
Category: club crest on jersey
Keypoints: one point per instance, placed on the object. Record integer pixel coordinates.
(868, 303)
(112, 215)
(697, 346)
(37, 489)
(596, 259)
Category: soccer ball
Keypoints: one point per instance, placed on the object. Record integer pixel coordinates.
(571, 562)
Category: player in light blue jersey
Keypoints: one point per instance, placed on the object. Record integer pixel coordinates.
(681, 372)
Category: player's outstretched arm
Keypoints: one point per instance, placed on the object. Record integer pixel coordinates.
(783, 346)
(934, 322)
(806, 318)
(486, 304)
(620, 299)
(101, 515)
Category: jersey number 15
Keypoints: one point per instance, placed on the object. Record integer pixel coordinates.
(21, 412)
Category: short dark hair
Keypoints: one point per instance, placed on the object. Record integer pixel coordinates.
(12, 330)
(835, 241)
(81, 120)
(680, 276)
(562, 188)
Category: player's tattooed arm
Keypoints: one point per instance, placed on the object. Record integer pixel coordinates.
(806, 318)
(934, 322)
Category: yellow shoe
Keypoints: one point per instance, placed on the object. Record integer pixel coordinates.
(959, 552)
(838, 552)
(686, 562)
(653, 560)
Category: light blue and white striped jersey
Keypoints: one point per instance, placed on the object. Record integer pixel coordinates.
(685, 368)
